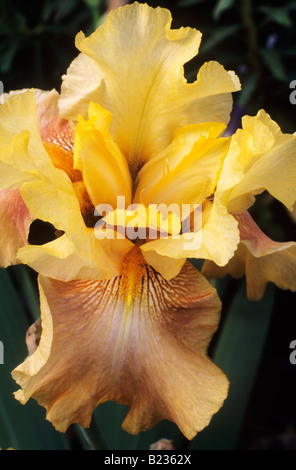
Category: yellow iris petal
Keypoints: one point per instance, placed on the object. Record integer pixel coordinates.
(260, 157)
(104, 168)
(149, 98)
(182, 145)
(187, 172)
(50, 196)
(216, 240)
(150, 218)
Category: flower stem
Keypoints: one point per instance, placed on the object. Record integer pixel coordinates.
(248, 21)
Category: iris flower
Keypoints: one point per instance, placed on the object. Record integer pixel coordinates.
(127, 317)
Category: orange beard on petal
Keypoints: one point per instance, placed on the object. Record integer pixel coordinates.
(63, 159)
(133, 270)
(57, 138)
(136, 339)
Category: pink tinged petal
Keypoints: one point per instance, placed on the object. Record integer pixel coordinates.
(56, 133)
(260, 259)
(256, 241)
(142, 342)
(53, 129)
(15, 222)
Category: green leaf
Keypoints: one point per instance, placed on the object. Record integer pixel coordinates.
(64, 9)
(8, 55)
(91, 437)
(273, 61)
(221, 6)
(48, 8)
(22, 278)
(277, 15)
(22, 427)
(188, 3)
(238, 353)
(109, 417)
(219, 35)
(95, 8)
(248, 89)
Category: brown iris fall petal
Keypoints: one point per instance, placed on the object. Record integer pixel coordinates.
(124, 340)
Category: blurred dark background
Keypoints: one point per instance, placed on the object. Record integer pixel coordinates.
(257, 40)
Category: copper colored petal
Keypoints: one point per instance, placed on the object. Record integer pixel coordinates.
(136, 339)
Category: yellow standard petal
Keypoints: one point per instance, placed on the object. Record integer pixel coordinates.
(104, 168)
(127, 328)
(191, 164)
(137, 61)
